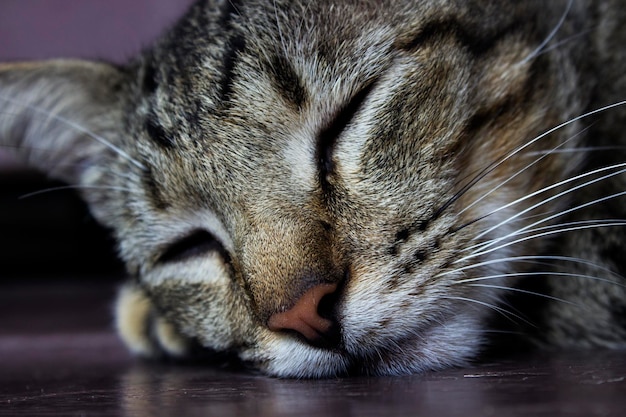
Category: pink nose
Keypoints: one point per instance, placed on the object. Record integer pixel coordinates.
(304, 316)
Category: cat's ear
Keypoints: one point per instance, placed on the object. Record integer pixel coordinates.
(60, 116)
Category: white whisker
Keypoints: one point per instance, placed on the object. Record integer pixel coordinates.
(572, 226)
(128, 177)
(582, 149)
(552, 34)
(503, 183)
(563, 42)
(582, 224)
(506, 313)
(74, 187)
(519, 149)
(480, 249)
(538, 274)
(535, 260)
(552, 198)
(77, 127)
(519, 290)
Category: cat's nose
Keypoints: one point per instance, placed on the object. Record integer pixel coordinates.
(308, 318)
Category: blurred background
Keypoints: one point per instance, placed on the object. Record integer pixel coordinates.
(51, 234)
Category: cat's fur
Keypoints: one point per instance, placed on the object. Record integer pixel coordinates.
(326, 187)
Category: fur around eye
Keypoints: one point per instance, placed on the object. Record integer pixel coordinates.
(195, 244)
(327, 138)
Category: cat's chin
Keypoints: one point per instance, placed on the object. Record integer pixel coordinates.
(449, 344)
(288, 357)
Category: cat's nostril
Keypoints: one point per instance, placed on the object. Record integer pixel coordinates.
(310, 317)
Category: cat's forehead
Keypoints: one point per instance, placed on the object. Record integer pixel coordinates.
(244, 88)
(227, 77)
(314, 42)
(259, 65)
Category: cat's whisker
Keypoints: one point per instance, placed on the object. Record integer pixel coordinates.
(11, 148)
(521, 291)
(529, 259)
(502, 311)
(75, 187)
(582, 224)
(540, 215)
(551, 35)
(521, 171)
(482, 251)
(538, 274)
(234, 6)
(581, 149)
(547, 219)
(520, 215)
(20, 147)
(533, 259)
(493, 166)
(76, 127)
(308, 167)
(562, 42)
(557, 227)
(621, 170)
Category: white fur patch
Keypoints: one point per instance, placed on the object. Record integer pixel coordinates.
(300, 154)
(206, 269)
(293, 359)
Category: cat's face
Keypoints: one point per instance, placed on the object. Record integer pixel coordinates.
(338, 153)
(318, 188)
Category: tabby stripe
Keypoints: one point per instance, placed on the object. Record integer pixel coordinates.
(509, 102)
(476, 44)
(287, 82)
(153, 190)
(327, 138)
(157, 133)
(234, 45)
(230, 8)
(149, 83)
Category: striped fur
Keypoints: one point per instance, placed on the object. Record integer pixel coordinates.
(438, 164)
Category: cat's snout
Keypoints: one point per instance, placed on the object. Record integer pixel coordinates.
(309, 317)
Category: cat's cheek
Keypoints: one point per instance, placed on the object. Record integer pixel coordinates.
(454, 343)
(423, 324)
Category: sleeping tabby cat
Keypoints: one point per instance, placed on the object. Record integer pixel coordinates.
(327, 187)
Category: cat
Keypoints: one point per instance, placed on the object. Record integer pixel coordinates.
(323, 188)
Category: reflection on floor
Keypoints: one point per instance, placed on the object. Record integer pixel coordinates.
(59, 356)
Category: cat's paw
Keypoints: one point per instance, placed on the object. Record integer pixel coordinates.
(143, 330)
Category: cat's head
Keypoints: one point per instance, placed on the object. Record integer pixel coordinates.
(319, 188)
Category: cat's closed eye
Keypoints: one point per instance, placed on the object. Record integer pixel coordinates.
(328, 136)
(195, 244)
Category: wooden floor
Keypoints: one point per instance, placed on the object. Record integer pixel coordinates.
(59, 357)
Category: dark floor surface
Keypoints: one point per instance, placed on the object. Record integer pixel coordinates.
(58, 357)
